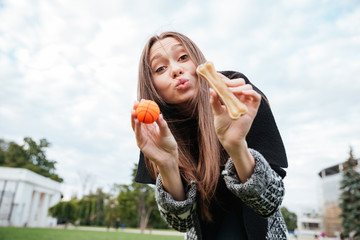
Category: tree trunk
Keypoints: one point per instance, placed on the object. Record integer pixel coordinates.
(144, 218)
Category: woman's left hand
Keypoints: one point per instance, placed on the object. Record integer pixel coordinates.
(232, 133)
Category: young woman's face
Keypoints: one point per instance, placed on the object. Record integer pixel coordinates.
(174, 73)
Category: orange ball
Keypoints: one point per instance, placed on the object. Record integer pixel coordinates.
(147, 111)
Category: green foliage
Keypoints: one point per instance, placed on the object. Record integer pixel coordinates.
(290, 219)
(86, 211)
(133, 204)
(94, 209)
(3, 145)
(66, 211)
(350, 196)
(137, 205)
(127, 206)
(91, 208)
(30, 155)
(112, 212)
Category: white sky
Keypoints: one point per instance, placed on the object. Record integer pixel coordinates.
(68, 73)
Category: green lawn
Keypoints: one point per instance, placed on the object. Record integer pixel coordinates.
(13, 233)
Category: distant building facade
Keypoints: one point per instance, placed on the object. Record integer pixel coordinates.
(329, 194)
(25, 198)
(309, 222)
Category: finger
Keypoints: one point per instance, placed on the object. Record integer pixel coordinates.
(133, 117)
(235, 82)
(215, 103)
(253, 94)
(232, 82)
(137, 130)
(240, 89)
(133, 114)
(163, 126)
(136, 104)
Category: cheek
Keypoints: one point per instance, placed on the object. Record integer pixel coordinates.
(162, 87)
(192, 69)
(159, 83)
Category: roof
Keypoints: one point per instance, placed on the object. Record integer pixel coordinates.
(332, 170)
(25, 175)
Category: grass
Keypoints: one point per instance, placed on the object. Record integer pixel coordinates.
(14, 233)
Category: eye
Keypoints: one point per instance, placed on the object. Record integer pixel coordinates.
(183, 57)
(160, 69)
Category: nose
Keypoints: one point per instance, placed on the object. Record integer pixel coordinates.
(176, 70)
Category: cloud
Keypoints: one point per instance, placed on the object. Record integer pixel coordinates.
(68, 72)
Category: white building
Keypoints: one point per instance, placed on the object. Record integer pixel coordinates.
(329, 193)
(309, 223)
(25, 198)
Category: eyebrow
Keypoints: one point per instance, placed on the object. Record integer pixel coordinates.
(158, 55)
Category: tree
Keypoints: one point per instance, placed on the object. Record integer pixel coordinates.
(127, 206)
(30, 155)
(138, 198)
(65, 211)
(146, 203)
(92, 208)
(2, 151)
(16, 156)
(350, 196)
(111, 211)
(290, 219)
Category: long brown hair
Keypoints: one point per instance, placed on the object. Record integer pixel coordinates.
(205, 170)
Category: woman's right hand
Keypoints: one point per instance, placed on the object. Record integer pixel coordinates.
(156, 141)
(158, 144)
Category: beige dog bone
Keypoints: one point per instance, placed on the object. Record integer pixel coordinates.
(234, 106)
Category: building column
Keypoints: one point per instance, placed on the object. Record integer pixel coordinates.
(33, 209)
(43, 212)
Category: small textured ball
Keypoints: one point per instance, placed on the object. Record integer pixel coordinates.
(147, 111)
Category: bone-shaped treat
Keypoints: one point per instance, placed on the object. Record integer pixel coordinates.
(234, 107)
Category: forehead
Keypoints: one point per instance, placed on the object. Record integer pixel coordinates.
(165, 44)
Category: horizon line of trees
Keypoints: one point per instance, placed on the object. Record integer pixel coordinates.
(130, 205)
(135, 203)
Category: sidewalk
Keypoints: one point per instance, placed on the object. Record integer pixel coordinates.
(310, 238)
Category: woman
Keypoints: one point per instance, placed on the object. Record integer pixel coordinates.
(216, 178)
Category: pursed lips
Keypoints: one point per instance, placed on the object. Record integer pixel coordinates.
(181, 82)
